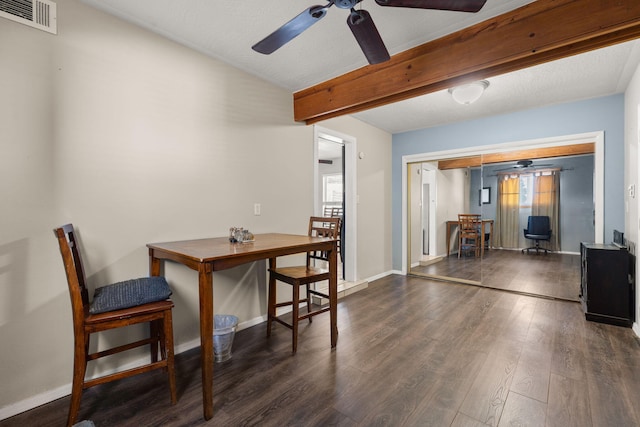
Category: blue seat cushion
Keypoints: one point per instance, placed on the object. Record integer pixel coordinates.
(130, 293)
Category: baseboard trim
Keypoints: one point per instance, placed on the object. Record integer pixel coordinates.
(34, 401)
(191, 344)
(381, 275)
(65, 390)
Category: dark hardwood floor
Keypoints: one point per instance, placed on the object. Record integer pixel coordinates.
(411, 352)
(552, 275)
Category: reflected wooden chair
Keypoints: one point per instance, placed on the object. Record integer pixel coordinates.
(470, 236)
(298, 276)
(114, 306)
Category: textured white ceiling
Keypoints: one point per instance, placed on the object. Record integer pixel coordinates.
(590, 75)
(226, 30)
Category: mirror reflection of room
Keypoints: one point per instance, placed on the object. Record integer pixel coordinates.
(507, 195)
(439, 191)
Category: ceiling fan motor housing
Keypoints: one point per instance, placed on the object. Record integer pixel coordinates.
(346, 4)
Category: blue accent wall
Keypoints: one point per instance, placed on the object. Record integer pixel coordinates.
(599, 114)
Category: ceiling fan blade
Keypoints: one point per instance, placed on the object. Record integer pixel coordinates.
(291, 29)
(368, 37)
(455, 5)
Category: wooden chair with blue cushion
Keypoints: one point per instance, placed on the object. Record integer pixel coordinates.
(538, 229)
(143, 300)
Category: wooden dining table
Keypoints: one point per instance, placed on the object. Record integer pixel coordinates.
(214, 254)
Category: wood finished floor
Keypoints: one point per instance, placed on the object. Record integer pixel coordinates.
(552, 275)
(411, 352)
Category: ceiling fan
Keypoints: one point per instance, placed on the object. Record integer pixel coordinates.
(525, 164)
(360, 23)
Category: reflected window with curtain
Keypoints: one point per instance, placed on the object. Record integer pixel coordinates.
(508, 211)
(546, 202)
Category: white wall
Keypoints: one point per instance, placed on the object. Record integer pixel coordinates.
(631, 152)
(136, 139)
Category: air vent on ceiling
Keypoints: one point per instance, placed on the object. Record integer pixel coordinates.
(40, 14)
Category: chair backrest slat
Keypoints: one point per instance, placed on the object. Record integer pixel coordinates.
(72, 260)
(322, 227)
(469, 223)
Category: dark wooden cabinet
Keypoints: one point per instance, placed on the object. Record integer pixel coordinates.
(606, 291)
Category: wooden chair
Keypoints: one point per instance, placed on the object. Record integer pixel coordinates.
(114, 306)
(332, 211)
(470, 234)
(302, 276)
(337, 212)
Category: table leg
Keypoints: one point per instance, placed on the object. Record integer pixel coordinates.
(448, 236)
(205, 282)
(154, 264)
(271, 304)
(333, 294)
(155, 269)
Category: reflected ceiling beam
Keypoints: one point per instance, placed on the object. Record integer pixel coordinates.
(463, 162)
(539, 32)
(510, 156)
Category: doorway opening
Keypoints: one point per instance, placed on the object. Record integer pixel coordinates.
(331, 194)
(334, 191)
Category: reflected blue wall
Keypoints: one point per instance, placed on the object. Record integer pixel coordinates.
(600, 114)
(576, 198)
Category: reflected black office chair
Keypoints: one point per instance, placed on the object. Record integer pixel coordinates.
(538, 228)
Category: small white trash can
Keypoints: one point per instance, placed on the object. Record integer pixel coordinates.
(224, 330)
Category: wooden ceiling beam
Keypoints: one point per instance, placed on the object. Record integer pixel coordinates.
(542, 31)
(461, 162)
(540, 153)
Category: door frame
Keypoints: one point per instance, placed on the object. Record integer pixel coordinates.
(350, 195)
(598, 182)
